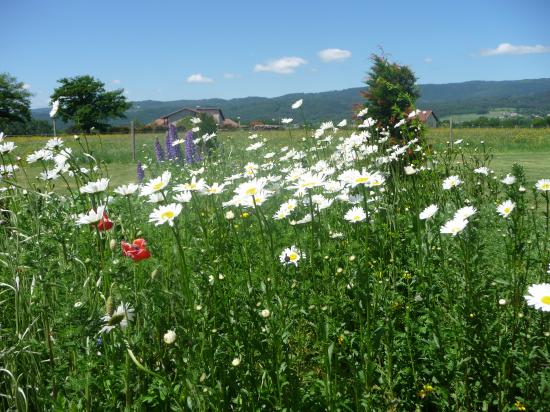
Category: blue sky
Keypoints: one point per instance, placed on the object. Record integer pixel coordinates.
(168, 50)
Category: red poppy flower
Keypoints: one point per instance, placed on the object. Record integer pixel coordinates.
(137, 250)
(104, 223)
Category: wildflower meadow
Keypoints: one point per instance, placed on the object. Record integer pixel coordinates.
(337, 269)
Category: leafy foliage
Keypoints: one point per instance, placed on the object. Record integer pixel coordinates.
(391, 91)
(85, 102)
(14, 101)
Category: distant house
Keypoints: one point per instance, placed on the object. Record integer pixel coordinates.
(173, 117)
(229, 124)
(428, 117)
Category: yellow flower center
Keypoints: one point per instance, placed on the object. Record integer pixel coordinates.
(169, 214)
(545, 186)
(158, 186)
(363, 179)
(545, 300)
(507, 210)
(251, 191)
(293, 256)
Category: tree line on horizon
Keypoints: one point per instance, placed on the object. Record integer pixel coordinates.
(85, 104)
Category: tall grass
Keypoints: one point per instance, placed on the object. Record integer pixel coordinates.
(238, 308)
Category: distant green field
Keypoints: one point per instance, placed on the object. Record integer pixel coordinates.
(529, 147)
(472, 116)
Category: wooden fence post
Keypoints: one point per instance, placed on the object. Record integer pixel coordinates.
(133, 135)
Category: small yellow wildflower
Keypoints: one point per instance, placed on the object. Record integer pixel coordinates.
(425, 391)
(520, 406)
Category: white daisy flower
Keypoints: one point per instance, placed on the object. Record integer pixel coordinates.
(55, 108)
(183, 197)
(482, 170)
(95, 187)
(54, 143)
(41, 154)
(509, 179)
(465, 212)
(363, 112)
(93, 216)
(543, 185)
(451, 181)
(539, 296)
(165, 214)
(156, 184)
(127, 190)
(7, 147)
(428, 212)
(453, 227)
(214, 189)
(355, 214)
(505, 208)
(297, 104)
(291, 256)
(193, 185)
(251, 188)
(123, 314)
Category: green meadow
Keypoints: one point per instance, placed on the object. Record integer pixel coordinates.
(528, 147)
(277, 272)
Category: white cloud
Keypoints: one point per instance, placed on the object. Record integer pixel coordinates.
(116, 81)
(231, 76)
(333, 55)
(26, 86)
(428, 60)
(199, 78)
(284, 65)
(507, 48)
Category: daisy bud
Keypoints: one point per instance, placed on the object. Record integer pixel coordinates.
(169, 337)
(113, 244)
(236, 362)
(229, 215)
(265, 313)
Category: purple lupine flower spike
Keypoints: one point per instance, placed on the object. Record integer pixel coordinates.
(140, 172)
(191, 153)
(169, 141)
(158, 151)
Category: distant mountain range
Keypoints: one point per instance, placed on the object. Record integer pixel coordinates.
(527, 97)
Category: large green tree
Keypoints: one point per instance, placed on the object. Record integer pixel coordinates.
(14, 101)
(84, 101)
(391, 91)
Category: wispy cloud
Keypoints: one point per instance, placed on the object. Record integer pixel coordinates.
(284, 65)
(428, 60)
(116, 81)
(334, 55)
(26, 86)
(231, 75)
(199, 78)
(507, 48)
